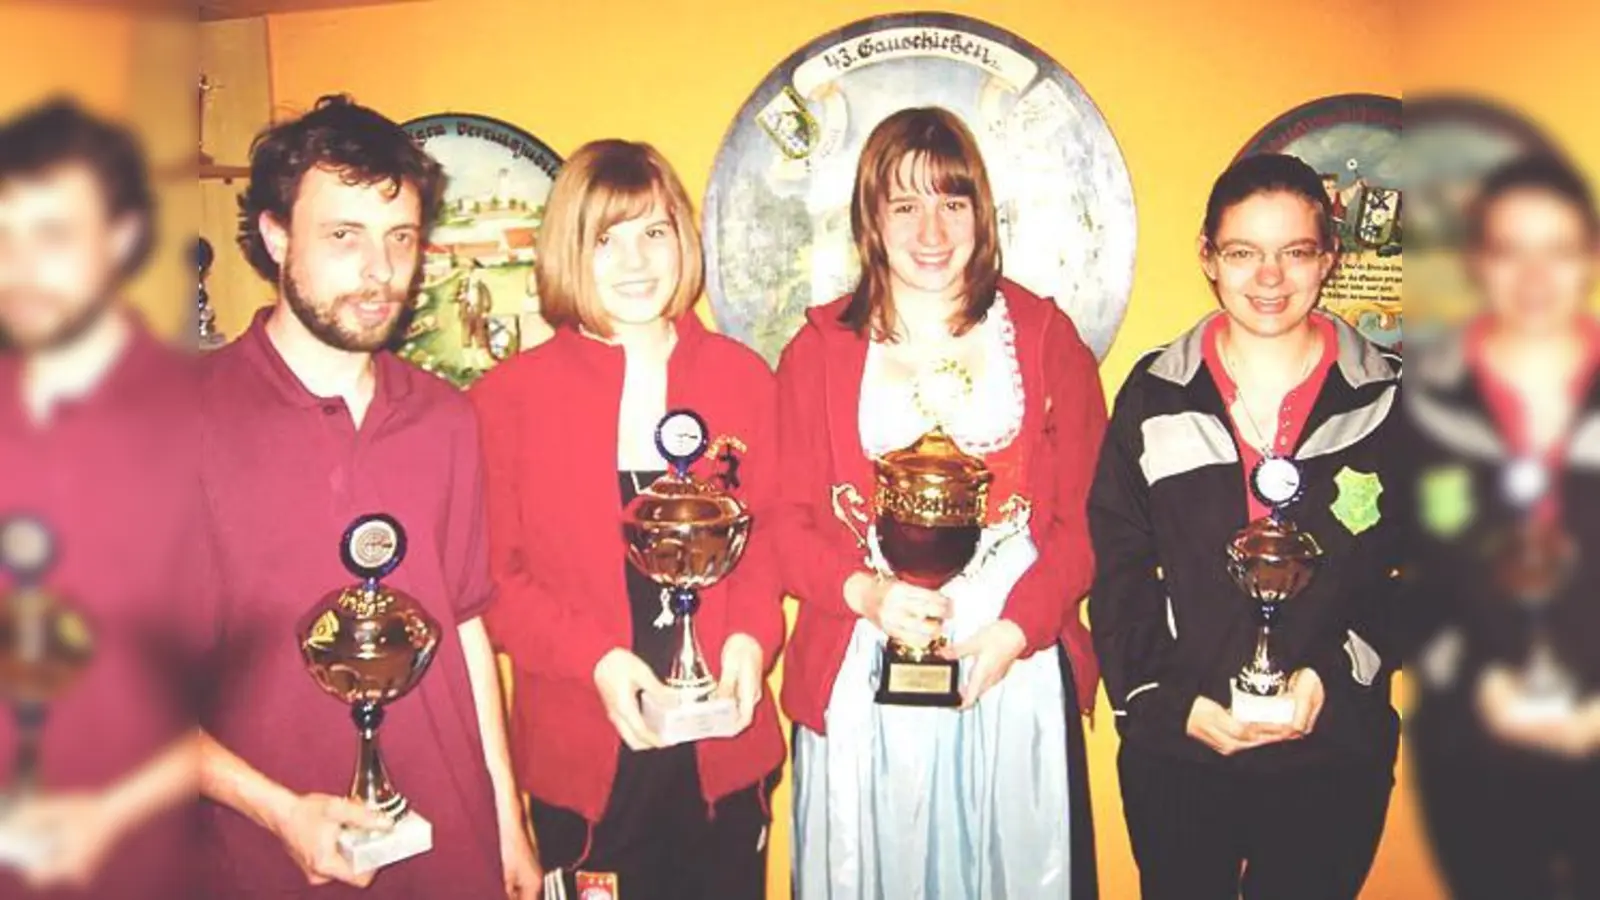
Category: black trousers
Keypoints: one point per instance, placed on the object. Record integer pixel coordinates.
(1201, 832)
(1525, 831)
(658, 836)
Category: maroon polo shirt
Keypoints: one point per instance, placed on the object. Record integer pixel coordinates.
(285, 472)
(111, 473)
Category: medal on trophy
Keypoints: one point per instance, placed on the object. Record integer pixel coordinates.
(1272, 561)
(44, 648)
(1531, 560)
(686, 535)
(368, 645)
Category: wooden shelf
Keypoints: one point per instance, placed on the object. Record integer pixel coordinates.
(217, 10)
(204, 171)
(215, 172)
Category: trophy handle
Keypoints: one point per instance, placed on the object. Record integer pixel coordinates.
(1017, 508)
(850, 508)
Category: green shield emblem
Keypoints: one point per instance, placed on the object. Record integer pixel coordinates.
(1445, 495)
(1356, 504)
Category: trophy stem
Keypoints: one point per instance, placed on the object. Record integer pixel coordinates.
(1544, 673)
(689, 673)
(29, 716)
(1263, 657)
(372, 786)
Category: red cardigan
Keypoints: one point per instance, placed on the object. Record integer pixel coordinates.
(549, 423)
(819, 387)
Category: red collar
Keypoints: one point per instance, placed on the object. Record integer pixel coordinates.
(1505, 406)
(690, 330)
(1291, 414)
(393, 374)
(1306, 390)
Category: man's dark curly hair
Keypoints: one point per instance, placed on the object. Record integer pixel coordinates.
(338, 134)
(59, 132)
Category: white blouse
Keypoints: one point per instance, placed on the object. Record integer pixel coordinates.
(983, 421)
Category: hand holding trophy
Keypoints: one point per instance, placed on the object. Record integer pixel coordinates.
(686, 534)
(44, 647)
(1272, 561)
(367, 645)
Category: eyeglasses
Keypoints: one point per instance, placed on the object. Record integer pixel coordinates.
(1251, 258)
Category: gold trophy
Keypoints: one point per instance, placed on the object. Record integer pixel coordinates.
(44, 648)
(1272, 561)
(1531, 561)
(929, 508)
(686, 534)
(368, 645)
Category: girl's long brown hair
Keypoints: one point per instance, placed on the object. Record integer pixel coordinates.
(945, 160)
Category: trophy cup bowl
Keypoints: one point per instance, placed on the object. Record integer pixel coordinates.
(1531, 561)
(930, 502)
(368, 645)
(685, 535)
(1272, 561)
(45, 646)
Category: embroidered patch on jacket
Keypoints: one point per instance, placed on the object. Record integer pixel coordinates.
(1445, 497)
(1356, 504)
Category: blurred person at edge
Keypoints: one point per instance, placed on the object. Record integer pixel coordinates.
(308, 422)
(95, 415)
(1505, 413)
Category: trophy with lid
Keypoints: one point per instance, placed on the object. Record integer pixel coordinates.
(44, 647)
(202, 256)
(368, 645)
(686, 534)
(1532, 560)
(1272, 561)
(927, 515)
(928, 509)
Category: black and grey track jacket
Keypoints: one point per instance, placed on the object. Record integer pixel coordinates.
(1169, 624)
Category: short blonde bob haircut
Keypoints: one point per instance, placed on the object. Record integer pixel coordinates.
(603, 183)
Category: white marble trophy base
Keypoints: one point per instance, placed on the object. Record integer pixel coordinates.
(1254, 709)
(21, 849)
(1540, 707)
(368, 851)
(680, 721)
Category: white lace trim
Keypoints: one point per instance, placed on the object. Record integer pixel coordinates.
(987, 422)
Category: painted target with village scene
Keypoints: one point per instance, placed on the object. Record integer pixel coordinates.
(1452, 142)
(1353, 142)
(479, 302)
(777, 211)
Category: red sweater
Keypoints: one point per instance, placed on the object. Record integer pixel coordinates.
(549, 424)
(819, 387)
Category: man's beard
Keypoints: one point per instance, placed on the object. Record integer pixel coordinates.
(63, 333)
(323, 322)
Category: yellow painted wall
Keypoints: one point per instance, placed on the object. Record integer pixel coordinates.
(1183, 83)
(1534, 58)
